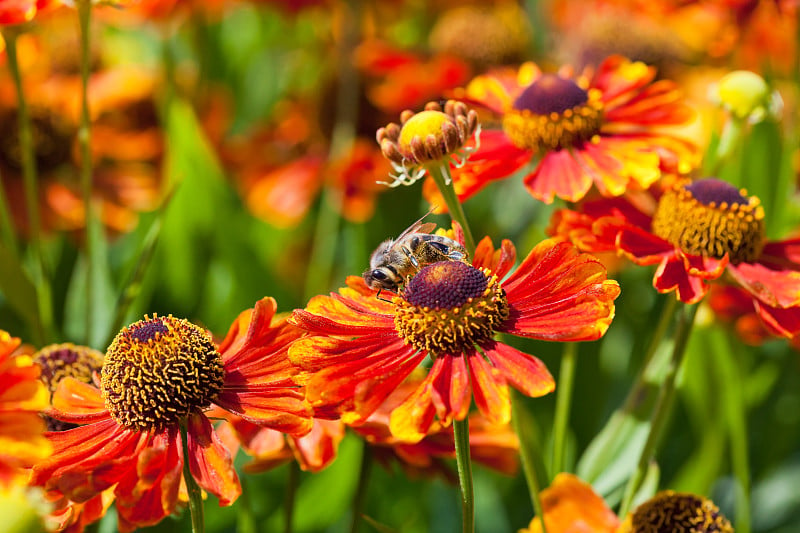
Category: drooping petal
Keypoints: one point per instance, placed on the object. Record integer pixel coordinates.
(776, 288)
(209, 461)
(671, 276)
(445, 393)
(780, 321)
(490, 390)
(524, 372)
(148, 494)
(89, 459)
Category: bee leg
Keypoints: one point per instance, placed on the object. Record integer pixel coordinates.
(378, 296)
(411, 257)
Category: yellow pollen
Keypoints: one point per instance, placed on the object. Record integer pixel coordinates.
(555, 131)
(711, 229)
(159, 370)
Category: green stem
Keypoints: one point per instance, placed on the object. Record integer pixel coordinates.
(195, 495)
(660, 414)
(361, 490)
(729, 141)
(736, 415)
(84, 8)
(7, 225)
(41, 278)
(291, 494)
(461, 436)
(529, 453)
(440, 173)
(566, 378)
(640, 386)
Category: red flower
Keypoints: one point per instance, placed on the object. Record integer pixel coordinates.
(160, 373)
(605, 128)
(695, 233)
(363, 348)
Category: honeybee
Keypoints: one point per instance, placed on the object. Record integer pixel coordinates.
(394, 260)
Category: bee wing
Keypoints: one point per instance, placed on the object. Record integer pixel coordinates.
(419, 226)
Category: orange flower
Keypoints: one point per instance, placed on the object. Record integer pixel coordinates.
(132, 440)
(696, 232)
(22, 397)
(571, 506)
(363, 348)
(493, 445)
(127, 140)
(605, 128)
(313, 451)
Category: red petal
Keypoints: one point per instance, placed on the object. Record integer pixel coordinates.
(282, 409)
(490, 390)
(776, 288)
(671, 276)
(559, 294)
(642, 247)
(784, 322)
(78, 402)
(524, 372)
(210, 463)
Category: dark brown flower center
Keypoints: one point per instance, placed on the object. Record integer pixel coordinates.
(710, 217)
(553, 113)
(670, 511)
(59, 361)
(158, 371)
(450, 306)
(52, 140)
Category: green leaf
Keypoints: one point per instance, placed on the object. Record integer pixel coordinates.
(18, 289)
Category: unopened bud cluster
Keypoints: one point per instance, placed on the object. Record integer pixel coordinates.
(429, 135)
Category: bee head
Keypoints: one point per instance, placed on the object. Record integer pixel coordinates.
(379, 278)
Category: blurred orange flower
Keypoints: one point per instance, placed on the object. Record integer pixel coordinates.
(20, 11)
(22, 397)
(608, 128)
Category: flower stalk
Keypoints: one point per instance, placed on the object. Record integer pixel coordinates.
(361, 489)
(440, 172)
(464, 463)
(661, 410)
(566, 378)
(84, 8)
(195, 494)
(41, 278)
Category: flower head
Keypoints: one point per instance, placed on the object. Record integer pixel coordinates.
(161, 373)
(434, 136)
(696, 232)
(363, 348)
(673, 511)
(606, 128)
